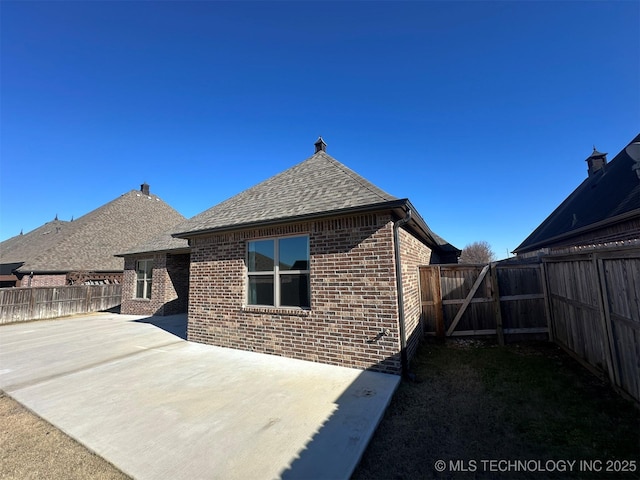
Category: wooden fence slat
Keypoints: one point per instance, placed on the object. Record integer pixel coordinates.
(605, 320)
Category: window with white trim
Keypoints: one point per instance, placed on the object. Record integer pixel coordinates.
(278, 271)
(144, 274)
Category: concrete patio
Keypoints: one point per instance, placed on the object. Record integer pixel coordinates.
(133, 390)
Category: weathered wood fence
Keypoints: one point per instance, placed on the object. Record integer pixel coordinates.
(496, 299)
(39, 303)
(594, 304)
(588, 303)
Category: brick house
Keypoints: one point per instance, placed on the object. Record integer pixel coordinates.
(315, 263)
(156, 277)
(603, 210)
(82, 251)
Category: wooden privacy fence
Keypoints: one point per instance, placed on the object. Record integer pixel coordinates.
(39, 303)
(494, 299)
(594, 304)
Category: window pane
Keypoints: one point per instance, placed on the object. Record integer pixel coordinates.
(140, 269)
(144, 267)
(261, 255)
(294, 291)
(261, 290)
(294, 253)
(140, 289)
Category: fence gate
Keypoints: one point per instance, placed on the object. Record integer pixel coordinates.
(496, 299)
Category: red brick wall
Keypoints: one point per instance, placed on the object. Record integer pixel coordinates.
(413, 253)
(141, 306)
(45, 280)
(353, 295)
(169, 286)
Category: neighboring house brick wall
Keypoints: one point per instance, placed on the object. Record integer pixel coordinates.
(169, 286)
(142, 306)
(413, 253)
(45, 280)
(176, 293)
(353, 295)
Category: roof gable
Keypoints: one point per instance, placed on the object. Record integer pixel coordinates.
(320, 184)
(608, 193)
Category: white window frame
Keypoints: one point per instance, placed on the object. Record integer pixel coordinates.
(276, 272)
(146, 281)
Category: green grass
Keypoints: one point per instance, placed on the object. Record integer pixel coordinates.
(475, 401)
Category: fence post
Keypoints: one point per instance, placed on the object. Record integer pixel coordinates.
(547, 300)
(436, 293)
(32, 302)
(495, 293)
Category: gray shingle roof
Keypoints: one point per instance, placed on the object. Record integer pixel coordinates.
(90, 242)
(610, 192)
(317, 185)
(165, 242)
(17, 249)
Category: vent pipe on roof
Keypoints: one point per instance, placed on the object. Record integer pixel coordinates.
(596, 161)
(320, 145)
(144, 188)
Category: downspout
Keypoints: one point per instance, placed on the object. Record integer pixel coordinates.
(396, 250)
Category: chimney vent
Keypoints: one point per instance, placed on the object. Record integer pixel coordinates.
(144, 188)
(596, 161)
(320, 145)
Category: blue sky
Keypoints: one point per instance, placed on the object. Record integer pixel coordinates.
(481, 113)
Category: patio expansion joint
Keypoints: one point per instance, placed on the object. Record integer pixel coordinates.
(143, 350)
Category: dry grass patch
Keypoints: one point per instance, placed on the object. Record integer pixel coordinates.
(31, 448)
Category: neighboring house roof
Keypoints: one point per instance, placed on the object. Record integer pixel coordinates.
(29, 245)
(164, 242)
(319, 186)
(609, 195)
(90, 242)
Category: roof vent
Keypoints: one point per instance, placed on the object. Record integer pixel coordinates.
(596, 161)
(633, 150)
(320, 145)
(144, 188)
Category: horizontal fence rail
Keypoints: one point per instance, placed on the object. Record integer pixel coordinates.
(40, 303)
